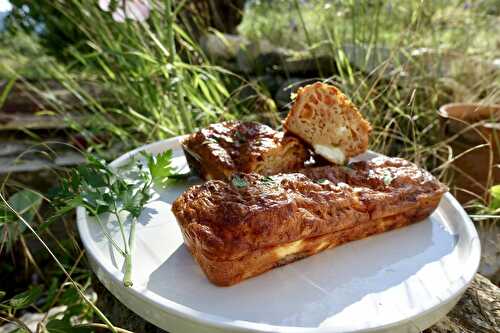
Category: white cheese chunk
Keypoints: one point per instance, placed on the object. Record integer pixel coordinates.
(331, 153)
(341, 131)
(283, 251)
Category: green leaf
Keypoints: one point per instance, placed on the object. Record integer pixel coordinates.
(2, 294)
(20, 330)
(161, 169)
(267, 179)
(102, 189)
(495, 197)
(134, 202)
(69, 296)
(26, 203)
(6, 215)
(26, 298)
(240, 136)
(64, 326)
(92, 175)
(6, 90)
(160, 166)
(387, 179)
(239, 182)
(51, 294)
(322, 181)
(179, 176)
(80, 309)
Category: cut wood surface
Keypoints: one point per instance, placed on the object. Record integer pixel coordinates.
(21, 121)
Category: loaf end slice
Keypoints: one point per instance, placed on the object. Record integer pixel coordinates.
(328, 121)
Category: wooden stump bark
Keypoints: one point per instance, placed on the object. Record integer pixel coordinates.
(478, 311)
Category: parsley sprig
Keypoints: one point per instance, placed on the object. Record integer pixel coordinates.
(322, 181)
(387, 178)
(239, 182)
(103, 189)
(161, 169)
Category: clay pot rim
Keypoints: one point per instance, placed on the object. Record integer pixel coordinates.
(442, 111)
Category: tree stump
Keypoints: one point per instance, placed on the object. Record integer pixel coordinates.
(478, 311)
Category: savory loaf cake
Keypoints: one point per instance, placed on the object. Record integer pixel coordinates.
(244, 227)
(326, 119)
(219, 150)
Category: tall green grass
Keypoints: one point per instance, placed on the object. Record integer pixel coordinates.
(471, 25)
(152, 79)
(398, 61)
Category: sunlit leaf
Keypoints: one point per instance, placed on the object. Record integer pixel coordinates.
(26, 298)
(387, 179)
(69, 296)
(495, 197)
(239, 182)
(64, 326)
(26, 203)
(51, 294)
(160, 166)
(20, 330)
(161, 169)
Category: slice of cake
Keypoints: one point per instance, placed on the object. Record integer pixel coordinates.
(327, 120)
(219, 150)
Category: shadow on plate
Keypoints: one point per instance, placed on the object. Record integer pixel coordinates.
(307, 292)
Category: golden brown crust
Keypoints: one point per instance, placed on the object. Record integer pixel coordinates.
(229, 272)
(322, 115)
(219, 150)
(231, 222)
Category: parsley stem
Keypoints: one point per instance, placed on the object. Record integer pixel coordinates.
(122, 231)
(104, 230)
(127, 279)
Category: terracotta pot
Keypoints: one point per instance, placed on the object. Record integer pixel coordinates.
(467, 127)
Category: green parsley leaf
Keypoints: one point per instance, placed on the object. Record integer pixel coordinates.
(322, 181)
(133, 200)
(240, 136)
(387, 178)
(267, 179)
(161, 169)
(160, 166)
(26, 298)
(26, 203)
(64, 326)
(495, 197)
(101, 189)
(239, 182)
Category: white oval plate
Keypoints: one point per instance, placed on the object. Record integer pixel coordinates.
(400, 281)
